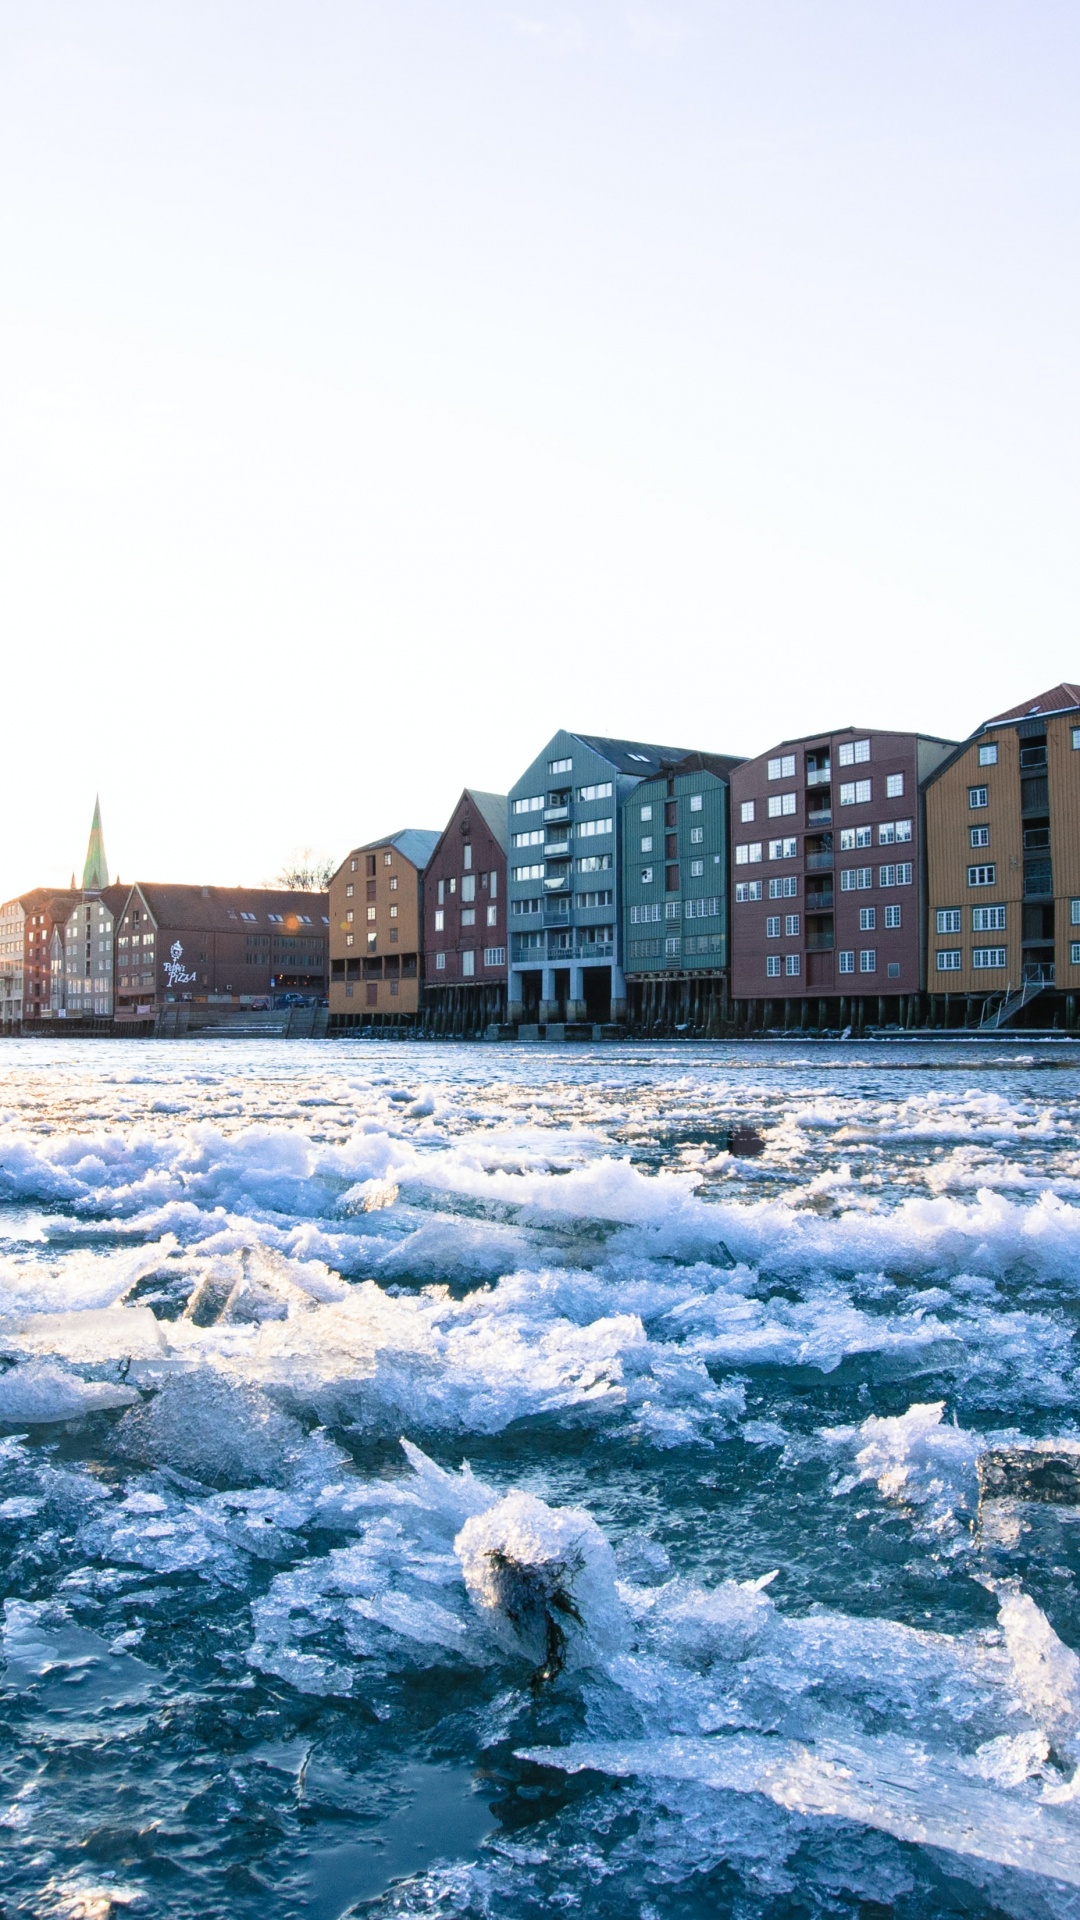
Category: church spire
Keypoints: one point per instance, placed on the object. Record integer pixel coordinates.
(95, 872)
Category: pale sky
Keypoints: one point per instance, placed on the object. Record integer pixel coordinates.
(385, 383)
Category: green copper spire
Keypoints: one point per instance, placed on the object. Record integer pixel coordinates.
(95, 872)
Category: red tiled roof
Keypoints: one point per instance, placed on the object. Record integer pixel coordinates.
(1058, 700)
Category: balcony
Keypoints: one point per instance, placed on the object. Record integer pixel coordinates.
(557, 917)
(815, 820)
(1039, 970)
(819, 862)
(1032, 757)
(819, 777)
(594, 950)
(557, 883)
(1038, 880)
(820, 942)
(556, 813)
(820, 902)
(557, 850)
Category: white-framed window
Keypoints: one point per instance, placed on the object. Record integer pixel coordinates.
(980, 836)
(988, 755)
(978, 796)
(1074, 948)
(792, 964)
(856, 879)
(988, 919)
(781, 803)
(646, 876)
(646, 812)
(468, 888)
(867, 919)
(529, 873)
(697, 835)
(898, 876)
(533, 839)
(697, 869)
(492, 915)
(746, 811)
(671, 909)
(494, 956)
(468, 963)
(746, 890)
(440, 920)
(646, 843)
(846, 959)
(791, 926)
(784, 889)
(560, 766)
(526, 906)
(852, 752)
(466, 854)
(982, 876)
(892, 917)
(985, 958)
(640, 916)
(696, 802)
(947, 960)
(852, 838)
(868, 960)
(772, 965)
(894, 786)
(783, 849)
(854, 793)
(532, 803)
(440, 963)
(371, 913)
(1074, 913)
(600, 792)
(594, 863)
(892, 830)
(772, 926)
(783, 767)
(948, 920)
(705, 909)
(747, 853)
(588, 829)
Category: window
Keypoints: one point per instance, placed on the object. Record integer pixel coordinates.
(772, 927)
(980, 836)
(560, 766)
(784, 889)
(1074, 949)
(602, 898)
(854, 879)
(697, 835)
(746, 812)
(468, 964)
(978, 796)
(898, 876)
(892, 917)
(371, 913)
(533, 839)
(867, 919)
(854, 793)
(1076, 739)
(748, 852)
(894, 786)
(947, 960)
(601, 792)
(494, 956)
(697, 869)
(747, 890)
(696, 802)
(772, 965)
(791, 926)
(526, 906)
(988, 919)
(493, 916)
(984, 958)
(891, 830)
(646, 813)
(387, 859)
(782, 849)
(847, 960)
(348, 896)
(852, 838)
(587, 828)
(393, 913)
(853, 751)
(646, 843)
(352, 866)
(1074, 913)
(646, 876)
(468, 916)
(791, 963)
(982, 876)
(532, 804)
(782, 768)
(706, 909)
(529, 873)
(253, 916)
(948, 920)
(868, 960)
(781, 803)
(594, 863)
(640, 916)
(468, 888)
(988, 755)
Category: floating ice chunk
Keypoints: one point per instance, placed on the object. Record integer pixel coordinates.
(1009, 1759)
(915, 1458)
(457, 1495)
(544, 1580)
(93, 1334)
(39, 1392)
(368, 1196)
(214, 1428)
(1047, 1672)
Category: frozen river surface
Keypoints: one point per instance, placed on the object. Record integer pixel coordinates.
(759, 1592)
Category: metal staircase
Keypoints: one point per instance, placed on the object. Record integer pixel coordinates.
(1004, 1007)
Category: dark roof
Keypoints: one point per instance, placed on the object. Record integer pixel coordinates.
(493, 807)
(415, 843)
(827, 733)
(218, 909)
(633, 756)
(1060, 699)
(57, 901)
(719, 763)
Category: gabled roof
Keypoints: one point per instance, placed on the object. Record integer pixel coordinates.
(638, 757)
(220, 909)
(414, 843)
(721, 764)
(493, 807)
(1059, 699)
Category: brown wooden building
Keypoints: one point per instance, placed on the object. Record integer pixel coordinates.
(465, 910)
(1003, 866)
(226, 944)
(827, 879)
(377, 931)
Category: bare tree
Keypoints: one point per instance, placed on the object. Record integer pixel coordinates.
(305, 872)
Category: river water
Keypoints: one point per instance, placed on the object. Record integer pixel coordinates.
(491, 1481)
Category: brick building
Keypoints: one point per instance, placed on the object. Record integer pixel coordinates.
(828, 902)
(1003, 866)
(465, 909)
(227, 944)
(377, 931)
